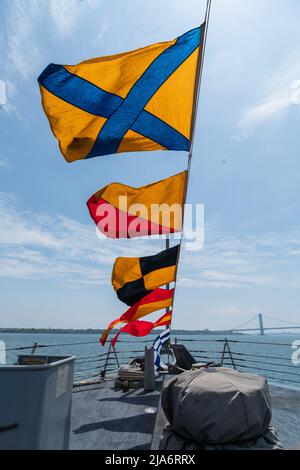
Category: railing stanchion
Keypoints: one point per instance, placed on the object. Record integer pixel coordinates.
(226, 348)
(230, 355)
(103, 372)
(223, 352)
(116, 356)
(149, 374)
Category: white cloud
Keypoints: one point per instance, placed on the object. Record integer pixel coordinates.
(2, 93)
(9, 108)
(279, 96)
(24, 19)
(64, 15)
(21, 49)
(67, 13)
(37, 245)
(259, 114)
(59, 248)
(30, 27)
(231, 261)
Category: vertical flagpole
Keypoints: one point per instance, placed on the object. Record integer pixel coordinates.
(168, 288)
(199, 73)
(167, 285)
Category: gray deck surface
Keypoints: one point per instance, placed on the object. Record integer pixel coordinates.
(286, 415)
(104, 418)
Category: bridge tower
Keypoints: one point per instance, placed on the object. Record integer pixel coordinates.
(261, 324)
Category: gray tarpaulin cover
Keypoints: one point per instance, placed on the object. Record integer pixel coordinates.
(217, 407)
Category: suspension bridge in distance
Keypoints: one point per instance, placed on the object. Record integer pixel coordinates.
(261, 325)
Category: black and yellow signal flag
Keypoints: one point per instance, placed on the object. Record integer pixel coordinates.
(134, 101)
(133, 278)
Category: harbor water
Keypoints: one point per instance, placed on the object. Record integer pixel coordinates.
(274, 356)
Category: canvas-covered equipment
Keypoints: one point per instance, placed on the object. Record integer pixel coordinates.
(267, 441)
(217, 408)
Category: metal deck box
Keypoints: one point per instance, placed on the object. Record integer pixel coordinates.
(35, 402)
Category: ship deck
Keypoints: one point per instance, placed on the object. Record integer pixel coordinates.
(107, 419)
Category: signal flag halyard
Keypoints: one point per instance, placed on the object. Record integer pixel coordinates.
(134, 101)
(141, 327)
(121, 211)
(133, 278)
(156, 300)
(158, 343)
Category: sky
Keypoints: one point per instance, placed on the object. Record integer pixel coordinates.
(54, 270)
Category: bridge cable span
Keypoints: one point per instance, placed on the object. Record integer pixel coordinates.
(244, 323)
(279, 319)
(257, 317)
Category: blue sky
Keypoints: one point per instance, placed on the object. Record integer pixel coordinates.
(54, 270)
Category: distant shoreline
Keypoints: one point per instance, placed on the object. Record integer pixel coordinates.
(89, 331)
(94, 331)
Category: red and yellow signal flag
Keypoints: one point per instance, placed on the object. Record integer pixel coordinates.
(156, 300)
(133, 278)
(134, 101)
(141, 327)
(121, 211)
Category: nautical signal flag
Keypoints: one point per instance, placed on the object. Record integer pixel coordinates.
(134, 278)
(156, 300)
(138, 100)
(121, 211)
(158, 343)
(141, 327)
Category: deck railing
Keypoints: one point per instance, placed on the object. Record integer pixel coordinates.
(270, 359)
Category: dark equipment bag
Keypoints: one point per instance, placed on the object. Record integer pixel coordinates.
(217, 408)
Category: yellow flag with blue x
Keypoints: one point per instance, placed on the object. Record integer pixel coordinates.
(134, 101)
